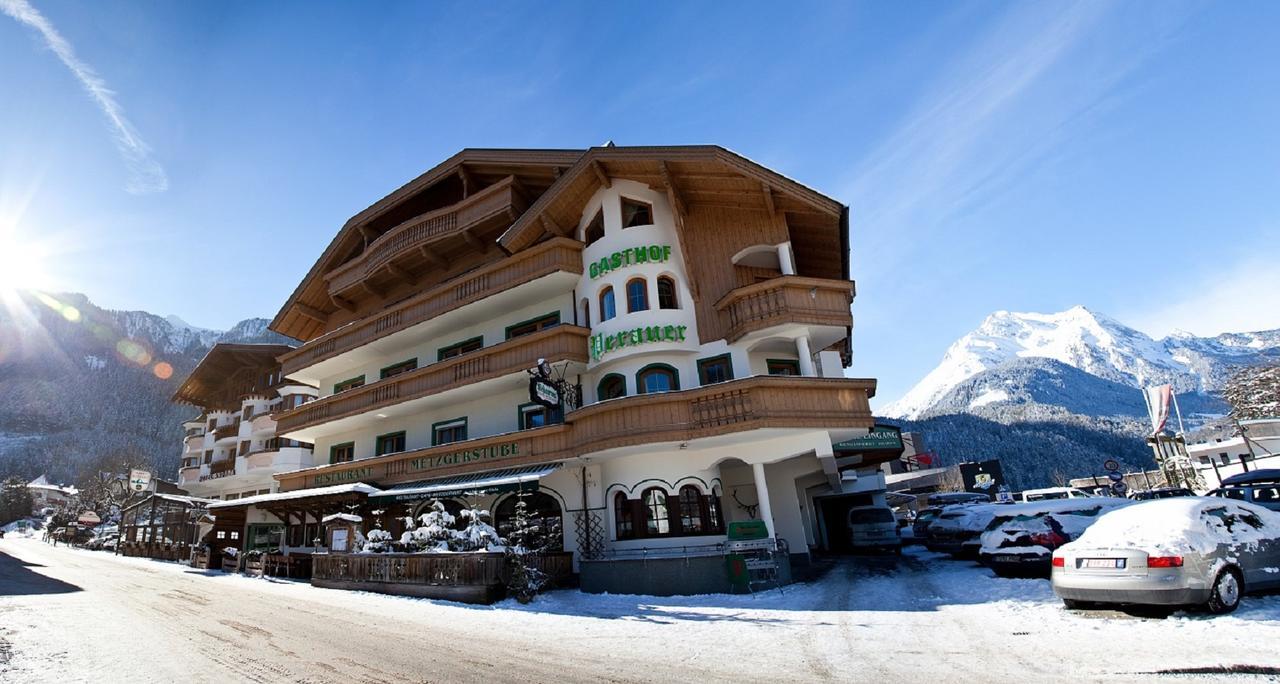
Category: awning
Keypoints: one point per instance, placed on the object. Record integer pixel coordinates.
(297, 494)
(471, 484)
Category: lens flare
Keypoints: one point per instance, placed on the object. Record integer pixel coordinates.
(162, 370)
(132, 351)
(71, 313)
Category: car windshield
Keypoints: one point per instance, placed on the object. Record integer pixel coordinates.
(1047, 496)
(863, 516)
(927, 515)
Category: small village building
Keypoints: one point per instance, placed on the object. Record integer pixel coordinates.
(1220, 458)
(648, 344)
(164, 526)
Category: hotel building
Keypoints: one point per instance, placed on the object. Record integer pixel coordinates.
(695, 303)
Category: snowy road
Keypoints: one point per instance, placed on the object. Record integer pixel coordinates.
(68, 615)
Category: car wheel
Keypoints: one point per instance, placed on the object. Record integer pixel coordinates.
(1072, 604)
(1226, 592)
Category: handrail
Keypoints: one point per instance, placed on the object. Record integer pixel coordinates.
(786, 299)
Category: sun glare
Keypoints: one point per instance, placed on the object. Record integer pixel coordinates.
(20, 264)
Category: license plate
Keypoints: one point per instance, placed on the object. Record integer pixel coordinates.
(1107, 563)
(1007, 559)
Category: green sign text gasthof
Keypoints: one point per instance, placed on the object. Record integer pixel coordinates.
(881, 438)
(606, 344)
(630, 256)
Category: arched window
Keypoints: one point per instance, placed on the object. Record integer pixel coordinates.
(636, 213)
(611, 386)
(544, 524)
(657, 377)
(637, 295)
(691, 510)
(667, 293)
(657, 519)
(607, 309)
(594, 230)
(622, 517)
(586, 313)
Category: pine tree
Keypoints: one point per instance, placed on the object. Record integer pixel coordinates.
(524, 581)
(432, 531)
(15, 500)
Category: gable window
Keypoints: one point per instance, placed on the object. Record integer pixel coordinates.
(607, 310)
(449, 431)
(636, 213)
(691, 514)
(622, 520)
(657, 377)
(637, 295)
(715, 369)
(389, 444)
(397, 369)
(667, 293)
(464, 347)
(783, 366)
(612, 386)
(550, 320)
(657, 518)
(348, 384)
(594, 230)
(534, 416)
(342, 453)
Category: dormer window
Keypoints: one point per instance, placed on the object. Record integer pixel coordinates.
(636, 213)
(594, 230)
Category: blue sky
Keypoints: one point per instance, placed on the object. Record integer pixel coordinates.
(1022, 156)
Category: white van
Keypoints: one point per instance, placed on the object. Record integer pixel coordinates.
(874, 527)
(1051, 493)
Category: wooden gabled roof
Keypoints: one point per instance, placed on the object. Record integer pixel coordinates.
(536, 169)
(227, 372)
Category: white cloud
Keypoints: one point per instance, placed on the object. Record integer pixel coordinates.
(1225, 297)
(145, 173)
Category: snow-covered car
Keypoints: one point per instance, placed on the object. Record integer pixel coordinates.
(1020, 540)
(1186, 551)
(874, 528)
(1260, 487)
(937, 502)
(1160, 493)
(1051, 493)
(957, 528)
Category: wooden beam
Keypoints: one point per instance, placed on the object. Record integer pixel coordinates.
(673, 192)
(368, 287)
(768, 198)
(401, 274)
(311, 312)
(553, 227)
(467, 182)
(430, 255)
(678, 208)
(342, 303)
(555, 171)
(475, 242)
(599, 171)
(368, 234)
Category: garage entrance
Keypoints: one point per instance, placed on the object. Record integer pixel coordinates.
(833, 520)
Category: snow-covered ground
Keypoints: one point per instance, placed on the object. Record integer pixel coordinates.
(63, 613)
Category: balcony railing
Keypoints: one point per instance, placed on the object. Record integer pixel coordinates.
(560, 254)
(787, 299)
(560, 343)
(771, 401)
(226, 431)
(423, 230)
(219, 469)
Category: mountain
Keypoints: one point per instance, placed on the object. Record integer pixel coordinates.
(1094, 344)
(1055, 395)
(86, 385)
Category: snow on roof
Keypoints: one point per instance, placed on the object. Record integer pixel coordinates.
(171, 497)
(342, 516)
(355, 487)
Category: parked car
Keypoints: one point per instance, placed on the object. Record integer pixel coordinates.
(1051, 493)
(874, 528)
(1184, 551)
(948, 498)
(1261, 487)
(957, 528)
(926, 516)
(1161, 493)
(1019, 541)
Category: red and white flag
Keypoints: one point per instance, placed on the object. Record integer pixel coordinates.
(1158, 406)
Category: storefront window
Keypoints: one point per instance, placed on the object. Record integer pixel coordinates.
(656, 516)
(622, 516)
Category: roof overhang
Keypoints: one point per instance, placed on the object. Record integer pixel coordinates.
(209, 385)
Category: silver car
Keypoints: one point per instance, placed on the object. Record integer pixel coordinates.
(1185, 551)
(874, 527)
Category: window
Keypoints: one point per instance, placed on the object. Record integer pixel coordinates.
(464, 347)
(714, 519)
(636, 213)
(342, 453)
(543, 520)
(657, 377)
(244, 447)
(248, 412)
(586, 313)
(667, 293)
(715, 369)
(611, 386)
(657, 519)
(783, 366)
(389, 444)
(534, 416)
(594, 230)
(449, 431)
(1225, 458)
(691, 521)
(348, 384)
(208, 455)
(622, 517)
(607, 310)
(550, 320)
(396, 369)
(637, 295)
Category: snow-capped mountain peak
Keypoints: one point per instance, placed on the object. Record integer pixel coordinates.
(1091, 342)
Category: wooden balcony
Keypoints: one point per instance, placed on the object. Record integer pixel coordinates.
(561, 254)
(219, 469)
(561, 343)
(787, 299)
(499, 199)
(769, 401)
(226, 431)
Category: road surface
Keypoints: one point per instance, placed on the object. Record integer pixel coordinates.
(68, 615)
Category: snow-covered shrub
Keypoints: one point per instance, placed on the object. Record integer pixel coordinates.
(432, 531)
(378, 541)
(478, 535)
